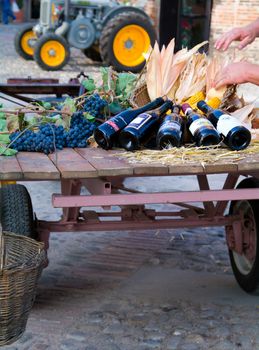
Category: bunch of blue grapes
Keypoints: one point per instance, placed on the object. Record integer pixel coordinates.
(48, 138)
(95, 105)
(80, 130)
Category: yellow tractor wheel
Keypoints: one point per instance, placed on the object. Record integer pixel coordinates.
(124, 41)
(51, 52)
(25, 41)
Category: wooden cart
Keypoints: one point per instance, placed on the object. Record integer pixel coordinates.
(103, 174)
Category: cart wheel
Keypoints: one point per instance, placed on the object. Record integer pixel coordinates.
(125, 39)
(51, 52)
(24, 42)
(16, 210)
(246, 266)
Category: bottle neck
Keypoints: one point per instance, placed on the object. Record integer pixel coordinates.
(158, 101)
(204, 107)
(160, 111)
(176, 110)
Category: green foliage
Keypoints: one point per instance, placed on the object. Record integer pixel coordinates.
(68, 107)
(117, 88)
(89, 84)
(7, 151)
(125, 85)
(3, 126)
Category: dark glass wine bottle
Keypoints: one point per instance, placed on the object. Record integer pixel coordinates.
(106, 134)
(202, 130)
(235, 135)
(171, 130)
(142, 128)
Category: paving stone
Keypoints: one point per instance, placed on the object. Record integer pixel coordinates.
(78, 336)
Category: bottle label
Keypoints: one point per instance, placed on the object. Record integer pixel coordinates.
(170, 125)
(226, 123)
(140, 120)
(200, 123)
(113, 125)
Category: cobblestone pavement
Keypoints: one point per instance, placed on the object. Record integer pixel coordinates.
(132, 290)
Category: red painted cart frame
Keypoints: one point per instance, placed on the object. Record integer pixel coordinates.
(103, 173)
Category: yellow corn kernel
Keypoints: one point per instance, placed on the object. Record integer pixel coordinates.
(194, 99)
(214, 102)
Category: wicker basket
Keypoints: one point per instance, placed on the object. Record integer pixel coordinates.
(21, 263)
(140, 96)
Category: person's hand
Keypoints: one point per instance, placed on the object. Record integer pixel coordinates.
(233, 73)
(246, 35)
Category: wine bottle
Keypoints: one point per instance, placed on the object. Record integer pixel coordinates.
(142, 128)
(235, 135)
(106, 134)
(170, 132)
(202, 130)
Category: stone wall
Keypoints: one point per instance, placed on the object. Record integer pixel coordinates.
(227, 14)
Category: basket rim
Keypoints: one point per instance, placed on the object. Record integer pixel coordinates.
(29, 264)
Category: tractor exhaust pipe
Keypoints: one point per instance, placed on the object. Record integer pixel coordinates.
(66, 9)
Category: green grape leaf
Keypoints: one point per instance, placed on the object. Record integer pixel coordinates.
(3, 125)
(7, 151)
(12, 122)
(46, 105)
(30, 119)
(2, 115)
(61, 122)
(125, 84)
(89, 84)
(69, 108)
(108, 78)
(4, 138)
(4, 151)
(115, 107)
(89, 117)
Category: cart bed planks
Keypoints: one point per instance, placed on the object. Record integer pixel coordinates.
(10, 168)
(71, 165)
(86, 163)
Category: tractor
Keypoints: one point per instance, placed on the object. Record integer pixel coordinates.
(104, 30)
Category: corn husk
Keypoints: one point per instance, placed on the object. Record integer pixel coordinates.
(192, 79)
(165, 67)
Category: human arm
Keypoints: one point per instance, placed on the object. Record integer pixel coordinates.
(246, 35)
(238, 73)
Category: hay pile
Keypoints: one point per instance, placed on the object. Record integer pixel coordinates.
(190, 155)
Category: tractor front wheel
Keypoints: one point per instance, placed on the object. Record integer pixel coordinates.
(125, 39)
(51, 52)
(24, 42)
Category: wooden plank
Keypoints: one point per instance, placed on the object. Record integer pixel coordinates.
(105, 162)
(251, 163)
(71, 165)
(186, 169)
(150, 169)
(37, 166)
(218, 168)
(10, 168)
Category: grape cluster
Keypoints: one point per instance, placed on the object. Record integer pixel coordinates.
(50, 137)
(94, 105)
(80, 130)
(46, 139)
